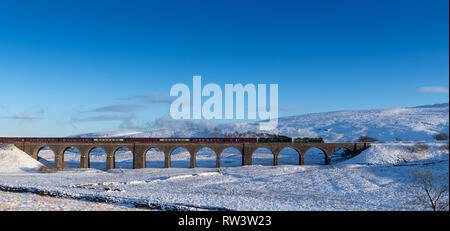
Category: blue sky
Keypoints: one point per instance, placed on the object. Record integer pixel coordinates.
(71, 67)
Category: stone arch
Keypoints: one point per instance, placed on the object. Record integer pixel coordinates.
(210, 160)
(312, 157)
(159, 161)
(289, 156)
(74, 160)
(48, 158)
(230, 159)
(122, 158)
(263, 158)
(341, 153)
(180, 160)
(97, 157)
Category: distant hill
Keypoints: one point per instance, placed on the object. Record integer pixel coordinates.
(440, 105)
(409, 123)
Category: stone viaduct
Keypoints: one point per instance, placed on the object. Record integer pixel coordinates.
(139, 150)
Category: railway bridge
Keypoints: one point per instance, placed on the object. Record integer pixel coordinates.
(139, 150)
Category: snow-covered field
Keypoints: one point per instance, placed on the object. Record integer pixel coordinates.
(11, 201)
(378, 179)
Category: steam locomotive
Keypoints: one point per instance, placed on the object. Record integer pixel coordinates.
(308, 140)
(274, 139)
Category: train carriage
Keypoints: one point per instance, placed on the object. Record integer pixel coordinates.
(224, 140)
(277, 139)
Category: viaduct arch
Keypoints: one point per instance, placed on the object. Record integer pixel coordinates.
(139, 151)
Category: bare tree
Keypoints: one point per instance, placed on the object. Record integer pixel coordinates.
(432, 189)
(445, 146)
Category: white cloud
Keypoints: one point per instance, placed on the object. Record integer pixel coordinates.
(431, 89)
(21, 117)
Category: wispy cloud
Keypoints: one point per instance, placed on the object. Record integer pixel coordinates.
(21, 117)
(122, 108)
(138, 103)
(152, 98)
(430, 89)
(103, 118)
(125, 110)
(40, 111)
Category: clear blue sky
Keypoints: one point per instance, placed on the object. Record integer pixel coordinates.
(71, 67)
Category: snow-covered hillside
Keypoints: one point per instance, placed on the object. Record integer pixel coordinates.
(13, 160)
(409, 124)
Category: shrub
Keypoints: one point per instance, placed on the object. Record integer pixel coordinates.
(441, 136)
(420, 147)
(367, 139)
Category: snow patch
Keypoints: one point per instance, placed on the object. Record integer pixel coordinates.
(14, 160)
(151, 181)
(397, 153)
